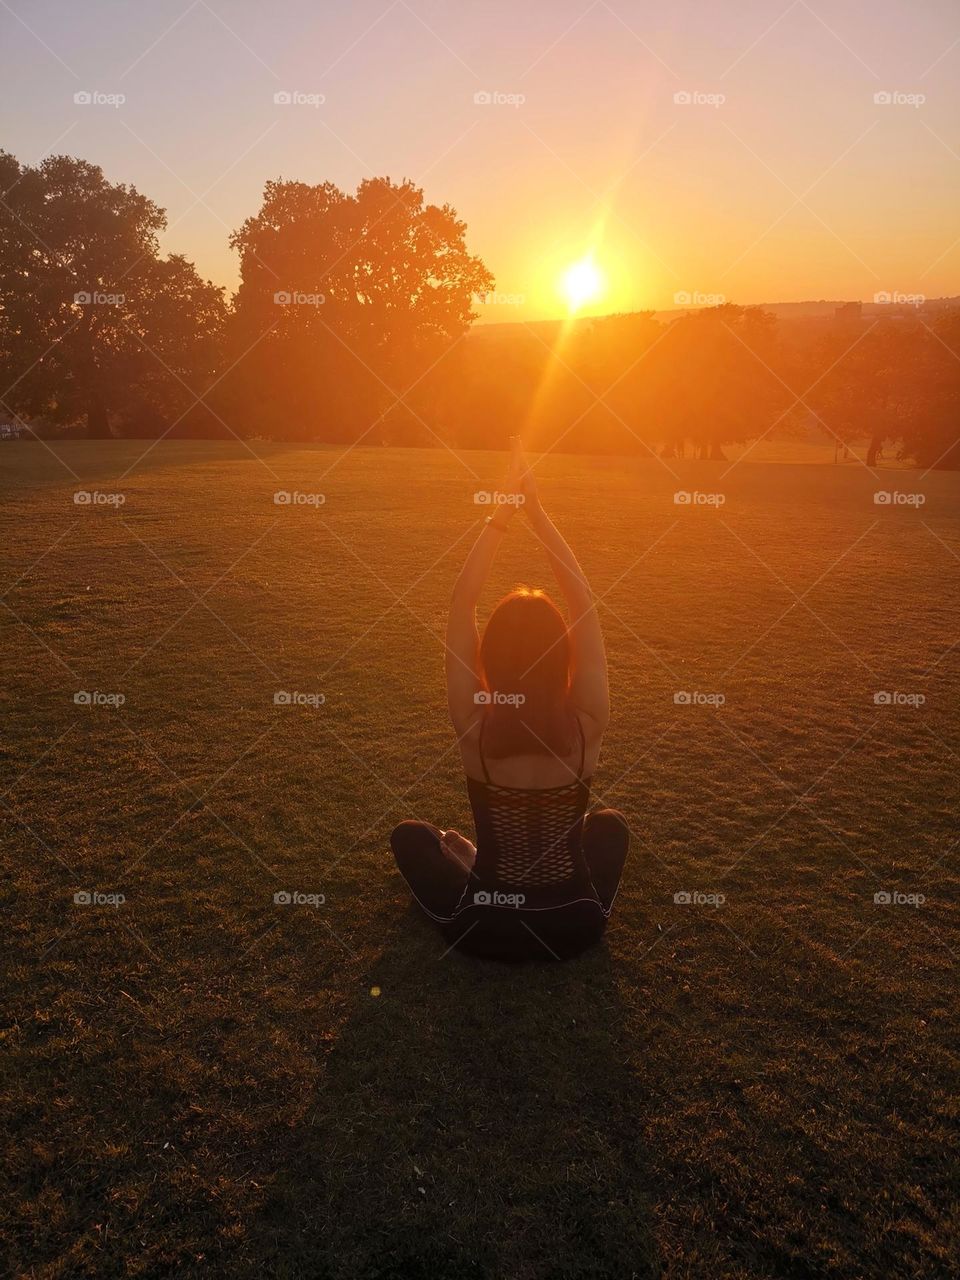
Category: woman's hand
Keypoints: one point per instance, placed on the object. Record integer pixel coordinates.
(516, 466)
(512, 484)
(521, 478)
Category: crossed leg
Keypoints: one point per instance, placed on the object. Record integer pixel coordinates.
(435, 864)
(606, 841)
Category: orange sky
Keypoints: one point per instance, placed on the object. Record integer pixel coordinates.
(781, 178)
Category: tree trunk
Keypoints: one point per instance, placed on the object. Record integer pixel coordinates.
(873, 450)
(717, 454)
(98, 423)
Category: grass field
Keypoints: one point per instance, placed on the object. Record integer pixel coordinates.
(204, 1082)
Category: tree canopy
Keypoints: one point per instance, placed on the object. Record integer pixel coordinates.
(344, 303)
(351, 323)
(94, 324)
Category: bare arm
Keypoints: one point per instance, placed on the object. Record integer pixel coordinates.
(463, 640)
(589, 690)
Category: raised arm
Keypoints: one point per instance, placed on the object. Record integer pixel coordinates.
(589, 691)
(463, 640)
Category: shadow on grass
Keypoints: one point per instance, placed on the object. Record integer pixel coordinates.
(474, 1120)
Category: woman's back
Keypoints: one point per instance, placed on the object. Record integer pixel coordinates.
(529, 771)
(529, 837)
(529, 704)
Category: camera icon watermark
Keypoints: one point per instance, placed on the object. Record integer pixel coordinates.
(894, 698)
(897, 98)
(697, 98)
(496, 299)
(893, 898)
(494, 698)
(95, 298)
(495, 98)
(83, 698)
(294, 498)
(94, 498)
(694, 498)
(94, 898)
(895, 298)
(494, 498)
(685, 698)
(286, 698)
(296, 98)
(94, 98)
(295, 898)
(693, 898)
(496, 898)
(295, 298)
(694, 298)
(894, 498)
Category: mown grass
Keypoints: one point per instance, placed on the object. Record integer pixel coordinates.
(204, 1082)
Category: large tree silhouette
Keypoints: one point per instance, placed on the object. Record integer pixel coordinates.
(872, 389)
(931, 427)
(94, 323)
(345, 303)
(713, 379)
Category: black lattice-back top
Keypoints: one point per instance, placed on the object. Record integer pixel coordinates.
(529, 839)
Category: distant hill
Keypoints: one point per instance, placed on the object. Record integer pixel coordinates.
(811, 310)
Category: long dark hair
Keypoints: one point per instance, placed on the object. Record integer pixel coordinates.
(525, 665)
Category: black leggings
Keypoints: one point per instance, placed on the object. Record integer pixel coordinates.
(437, 881)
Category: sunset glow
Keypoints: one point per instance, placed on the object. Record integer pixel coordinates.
(582, 283)
(692, 135)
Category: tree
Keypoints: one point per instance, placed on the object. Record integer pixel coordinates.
(712, 379)
(931, 433)
(345, 302)
(871, 388)
(94, 323)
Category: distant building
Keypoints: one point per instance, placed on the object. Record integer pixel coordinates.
(849, 311)
(11, 430)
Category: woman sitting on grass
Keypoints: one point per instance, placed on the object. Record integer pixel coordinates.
(529, 704)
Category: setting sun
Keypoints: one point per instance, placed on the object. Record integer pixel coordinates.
(582, 282)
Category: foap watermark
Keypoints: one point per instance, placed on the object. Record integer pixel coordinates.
(297, 98)
(295, 898)
(94, 498)
(95, 98)
(294, 498)
(694, 298)
(697, 98)
(94, 298)
(894, 498)
(94, 698)
(693, 898)
(496, 898)
(686, 698)
(291, 698)
(894, 298)
(497, 98)
(494, 698)
(293, 298)
(94, 898)
(494, 298)
(894, 898)
(494, 498)
(894, 698)
(898, 98)
(686, 498)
